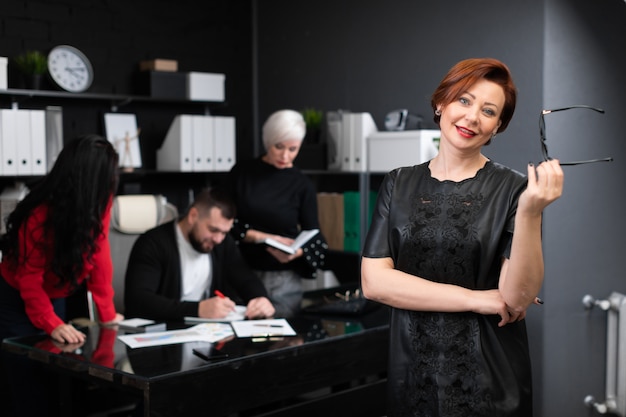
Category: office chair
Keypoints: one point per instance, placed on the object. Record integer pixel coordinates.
(131, 216)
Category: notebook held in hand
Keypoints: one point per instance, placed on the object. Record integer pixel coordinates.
(302, 238)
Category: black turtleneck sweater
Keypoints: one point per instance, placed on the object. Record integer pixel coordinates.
(280, 202)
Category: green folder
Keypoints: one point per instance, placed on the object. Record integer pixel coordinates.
(352, 219)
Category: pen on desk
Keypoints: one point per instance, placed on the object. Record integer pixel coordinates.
(268, 325)
(267, 335)
(267, 339)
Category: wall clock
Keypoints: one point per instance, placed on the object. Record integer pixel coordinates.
(70, 69)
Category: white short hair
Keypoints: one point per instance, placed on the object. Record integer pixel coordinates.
(283, 125)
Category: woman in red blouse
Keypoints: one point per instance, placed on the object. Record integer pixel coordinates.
(57, 238)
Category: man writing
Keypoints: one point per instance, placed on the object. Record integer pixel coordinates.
(175, 269)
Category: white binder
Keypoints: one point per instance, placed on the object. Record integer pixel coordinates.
(8, 127)
(203, 146)
(356, 127)
(176, 152)
(198, 143)
(38, 143)
(225, 145)
(23, 146)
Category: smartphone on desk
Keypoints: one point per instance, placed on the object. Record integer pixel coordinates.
(209, 354)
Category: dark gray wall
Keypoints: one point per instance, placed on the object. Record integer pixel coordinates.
(584, 64)
(376, 56)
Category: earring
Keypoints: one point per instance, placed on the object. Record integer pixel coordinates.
(493, 136)
(437, 112)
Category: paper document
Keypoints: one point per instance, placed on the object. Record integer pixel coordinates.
(204, 332)
(135, 322)
(263, 328)
(238, 314)
(302, 238)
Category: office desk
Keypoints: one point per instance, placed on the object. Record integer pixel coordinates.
(334, 363)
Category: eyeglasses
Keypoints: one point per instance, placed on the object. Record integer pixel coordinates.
(542, 134)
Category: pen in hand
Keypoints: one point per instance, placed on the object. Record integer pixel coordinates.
(221, 295)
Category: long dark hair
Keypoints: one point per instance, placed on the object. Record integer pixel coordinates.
(77, 192)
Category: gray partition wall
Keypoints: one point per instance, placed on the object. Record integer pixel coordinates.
(584, 61)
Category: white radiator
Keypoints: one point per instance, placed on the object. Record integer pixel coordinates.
(615, 402)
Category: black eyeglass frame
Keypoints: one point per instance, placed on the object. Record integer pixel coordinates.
(542, 135)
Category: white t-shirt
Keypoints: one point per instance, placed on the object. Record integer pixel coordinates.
(195, 270)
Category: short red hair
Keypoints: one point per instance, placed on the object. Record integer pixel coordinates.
(466, 73)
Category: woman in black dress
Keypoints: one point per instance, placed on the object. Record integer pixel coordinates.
(455, 248)
(276, 200)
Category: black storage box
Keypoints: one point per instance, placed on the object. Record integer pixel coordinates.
(162, 84)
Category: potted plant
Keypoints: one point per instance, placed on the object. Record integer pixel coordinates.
(312, 154)
(33, 65)
(313, 119)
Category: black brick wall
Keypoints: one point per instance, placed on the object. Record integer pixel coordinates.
(206, 36)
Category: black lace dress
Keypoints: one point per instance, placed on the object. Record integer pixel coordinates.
(452, 364)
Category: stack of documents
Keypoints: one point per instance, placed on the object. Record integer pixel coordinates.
(204, 332)
(211, 332)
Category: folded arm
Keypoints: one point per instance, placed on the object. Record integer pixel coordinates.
(382, 283)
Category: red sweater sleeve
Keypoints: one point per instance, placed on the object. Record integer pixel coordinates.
(37, 284)
(31, 277)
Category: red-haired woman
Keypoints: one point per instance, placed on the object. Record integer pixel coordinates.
(455, 249)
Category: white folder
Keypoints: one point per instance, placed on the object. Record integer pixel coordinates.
(176, 152)
(225, 142)
(203, 147)
(39, 159)
(356, 128)
(8, 122)
(23, 147)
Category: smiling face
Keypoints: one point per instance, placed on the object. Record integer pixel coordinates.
(470, 121)
(281, 154)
